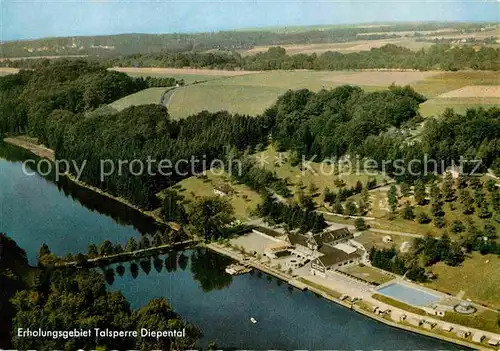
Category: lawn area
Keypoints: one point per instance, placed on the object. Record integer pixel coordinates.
(371, 239)
(478, 277)
(378, 202)
(329, 291)
(435, 107)
(143, 97)
(320, 174)
(453, 211)
(243, 200)
(484, 320)
(368, 274)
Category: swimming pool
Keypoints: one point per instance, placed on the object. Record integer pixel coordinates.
(409, 295)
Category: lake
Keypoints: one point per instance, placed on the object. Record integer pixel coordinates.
(36, 210)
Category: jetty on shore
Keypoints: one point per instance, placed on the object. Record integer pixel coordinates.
(237, 269)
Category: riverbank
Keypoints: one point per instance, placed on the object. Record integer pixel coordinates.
(42, 151)
(361, 306)
(31, 145)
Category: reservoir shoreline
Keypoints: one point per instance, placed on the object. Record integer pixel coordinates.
(42, 152)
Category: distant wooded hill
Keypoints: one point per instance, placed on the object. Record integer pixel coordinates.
(126, 44)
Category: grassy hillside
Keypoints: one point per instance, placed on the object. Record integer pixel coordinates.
(243, 200)
(435, 107)
(143, 97)
(480, 287)
(253, 93)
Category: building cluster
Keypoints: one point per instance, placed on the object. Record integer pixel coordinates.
(328, 250)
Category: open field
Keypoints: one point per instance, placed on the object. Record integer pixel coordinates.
(447, 81)
(458, 90)
(143, 97)
(251, 100)
(252, 94)
(379, 78)
(491, 32)
(347, 47)
(243, 200)
(413, 32)
(477, 91)
(320, 174)
(435, 107)
(477, 277)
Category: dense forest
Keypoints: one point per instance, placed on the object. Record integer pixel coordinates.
(13, 273)
(52, 104)
(330, 123)
(347, 120)
(27, 98)
(438, 57)
(126, 44)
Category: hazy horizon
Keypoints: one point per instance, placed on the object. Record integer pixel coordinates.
(34, 19)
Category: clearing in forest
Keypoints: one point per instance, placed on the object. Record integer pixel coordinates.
(242, 198)
(143, 97)
(8, 70)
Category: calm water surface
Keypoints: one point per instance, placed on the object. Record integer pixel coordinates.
(35, 210)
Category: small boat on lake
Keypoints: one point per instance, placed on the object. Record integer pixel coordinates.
(253, 320)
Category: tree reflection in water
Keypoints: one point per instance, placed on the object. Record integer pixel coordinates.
(134, 270)
(158, 264)
(145, 264)
(208, 269)
(171, 261)
(183, 261)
